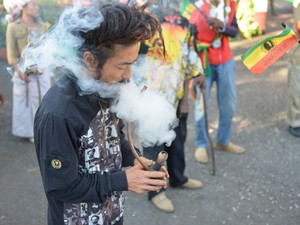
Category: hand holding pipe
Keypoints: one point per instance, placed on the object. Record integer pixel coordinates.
(160, 161)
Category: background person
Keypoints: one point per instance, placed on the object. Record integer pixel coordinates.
(215, 23)
(293, 110)
(25, 25)
(179, 64)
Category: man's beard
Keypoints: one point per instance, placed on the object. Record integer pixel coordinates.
(105, 90)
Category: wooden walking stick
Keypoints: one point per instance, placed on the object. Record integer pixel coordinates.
(207, 132)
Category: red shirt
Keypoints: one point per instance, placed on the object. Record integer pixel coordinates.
(206, 35)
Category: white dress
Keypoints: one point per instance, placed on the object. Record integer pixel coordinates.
(26, 103)
(26, 98)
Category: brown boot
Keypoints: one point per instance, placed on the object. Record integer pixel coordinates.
(201, 155)
(230, 148)
(162, 202)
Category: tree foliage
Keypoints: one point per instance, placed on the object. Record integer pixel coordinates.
(246, 19)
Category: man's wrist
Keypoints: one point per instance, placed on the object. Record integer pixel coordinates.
(223, 28)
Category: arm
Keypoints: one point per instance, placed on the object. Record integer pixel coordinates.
(57, 141)
(11, 46)
(200, 81)
(57, 152)
(13, 54)
(183, 107)
(230, 30)
(140, 180)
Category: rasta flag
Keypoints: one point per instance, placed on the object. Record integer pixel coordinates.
(264, 54)
(187, 9)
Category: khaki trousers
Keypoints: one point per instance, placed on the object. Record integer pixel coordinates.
(293, 111)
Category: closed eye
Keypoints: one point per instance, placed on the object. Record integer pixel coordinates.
(124, 65)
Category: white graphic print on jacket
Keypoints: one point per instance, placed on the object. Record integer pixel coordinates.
(99, 152)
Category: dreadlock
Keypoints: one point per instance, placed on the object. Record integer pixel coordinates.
(122, 25)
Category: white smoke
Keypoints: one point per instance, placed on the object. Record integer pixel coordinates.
(159, 76)
(59, 46)
(152, 115)
(152, 111)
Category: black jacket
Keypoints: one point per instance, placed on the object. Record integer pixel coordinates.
(61, 122)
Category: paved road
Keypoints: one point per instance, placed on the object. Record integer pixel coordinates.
(260, 187)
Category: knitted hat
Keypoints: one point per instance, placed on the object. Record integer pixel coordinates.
(14, 8)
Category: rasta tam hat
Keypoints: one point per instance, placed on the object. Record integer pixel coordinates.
(14, 8)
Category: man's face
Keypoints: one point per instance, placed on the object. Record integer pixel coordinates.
(32, 9)
(91, 154)
(95, 220)
(118, 67)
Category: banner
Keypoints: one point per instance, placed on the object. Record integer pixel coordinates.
(187, 8)
(264, 54)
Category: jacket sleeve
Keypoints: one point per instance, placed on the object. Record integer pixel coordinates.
(231, 29)
(57, 151)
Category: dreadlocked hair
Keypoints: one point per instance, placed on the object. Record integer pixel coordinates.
(122, 24)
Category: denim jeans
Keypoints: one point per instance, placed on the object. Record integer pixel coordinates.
(224, 76)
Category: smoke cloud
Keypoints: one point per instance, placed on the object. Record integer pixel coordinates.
(59, 46)
(152, 115)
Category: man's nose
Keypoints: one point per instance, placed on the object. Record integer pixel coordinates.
(127, 73)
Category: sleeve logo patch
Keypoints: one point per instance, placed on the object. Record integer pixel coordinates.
(56, 164)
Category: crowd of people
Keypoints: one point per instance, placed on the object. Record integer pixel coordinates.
(80, 142)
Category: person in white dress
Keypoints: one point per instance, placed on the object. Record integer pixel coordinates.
(29, 85)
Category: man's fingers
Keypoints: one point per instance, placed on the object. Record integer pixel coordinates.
(155, 185)
(148, 188)
(164, 169)
(156, 174)
(141, 180)
(146, 161)
(150, 163)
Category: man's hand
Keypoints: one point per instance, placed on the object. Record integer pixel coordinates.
(29, 70)
(142, 181)
(149, 163)
(146, 161)
(215, 23)
(183, 109)
(200, 80)
(25, 77)
(22, 75)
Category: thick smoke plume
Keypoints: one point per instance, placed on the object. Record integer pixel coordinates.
(152, 115)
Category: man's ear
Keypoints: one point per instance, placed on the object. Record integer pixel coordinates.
(90, 61)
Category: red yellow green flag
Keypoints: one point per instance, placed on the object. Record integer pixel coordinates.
(264, 54)
(187, 8)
